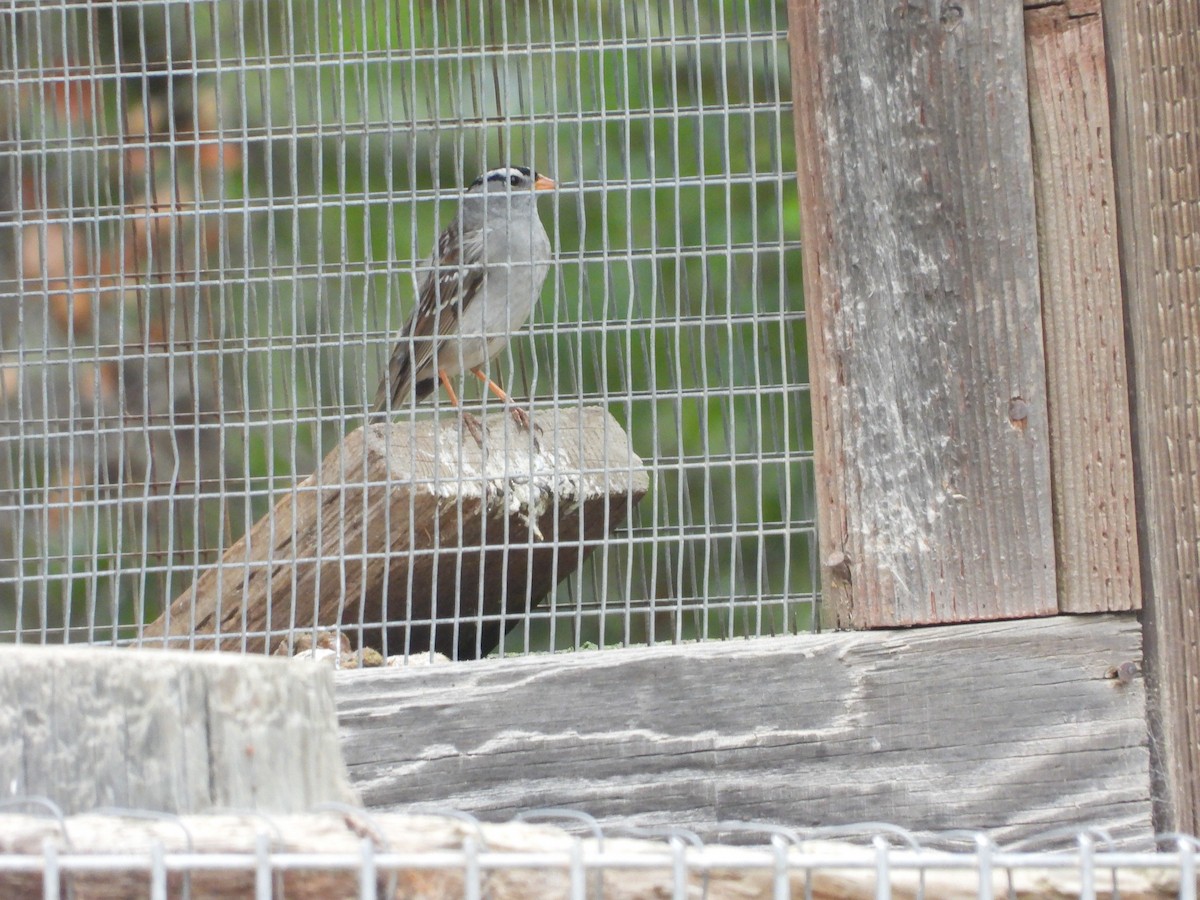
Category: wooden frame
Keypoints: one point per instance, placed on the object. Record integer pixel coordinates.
(1091, 454)
(1154, 65)
(987, 447)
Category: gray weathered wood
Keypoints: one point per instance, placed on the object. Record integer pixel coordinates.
(1154, 52)
(415, 526)
(171, 732)
(1095, 526)
(849, 873)
(1011, 726)
(921, 284)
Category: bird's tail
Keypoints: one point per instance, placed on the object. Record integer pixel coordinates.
(394, 385)
(398, 385)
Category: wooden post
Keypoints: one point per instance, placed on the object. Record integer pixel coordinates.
(446, 543)
(1095, 526)
(922, 286)
(168, 732)
(1154, 53)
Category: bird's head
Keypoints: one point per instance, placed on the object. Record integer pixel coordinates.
(514, 179)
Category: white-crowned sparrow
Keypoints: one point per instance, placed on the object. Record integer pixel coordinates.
(482, 281)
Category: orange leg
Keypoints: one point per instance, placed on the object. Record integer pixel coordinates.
(521, 417)
(448, 386)
(469, 420)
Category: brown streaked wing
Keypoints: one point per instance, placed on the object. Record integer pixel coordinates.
(418, 343)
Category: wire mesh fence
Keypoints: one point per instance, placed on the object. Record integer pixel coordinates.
(559, 853)
(215, 218)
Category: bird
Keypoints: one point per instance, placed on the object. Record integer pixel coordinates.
(481, 283)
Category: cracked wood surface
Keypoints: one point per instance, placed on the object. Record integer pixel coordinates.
(410, 524)
(930, 422)
(1015, 727)
(176, 733)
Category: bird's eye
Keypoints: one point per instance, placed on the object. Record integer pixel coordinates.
(514, 180)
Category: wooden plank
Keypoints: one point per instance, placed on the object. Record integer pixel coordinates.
(1012, 727)
(167, 732)
(1154, 53)
(1091, 455)
(714, 872)
(407, 524)
(921, 283)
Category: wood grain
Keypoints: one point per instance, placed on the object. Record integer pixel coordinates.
(410, 526)
(1012, 727)
(921, 283)
(1154, 50)
(167, 732)
(1091, 453)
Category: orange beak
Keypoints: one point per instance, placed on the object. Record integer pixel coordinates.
(544, 184)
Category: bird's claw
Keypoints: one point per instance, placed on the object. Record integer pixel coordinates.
(522, 419)
(474, 427)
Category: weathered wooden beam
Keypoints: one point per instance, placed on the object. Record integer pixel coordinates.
(167, 732)
(921, 286)
(1095, 526)
(1016, 727)
(1154, 56)
(409, 537)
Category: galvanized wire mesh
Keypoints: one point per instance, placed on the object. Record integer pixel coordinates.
(389, 856)
(214, 215)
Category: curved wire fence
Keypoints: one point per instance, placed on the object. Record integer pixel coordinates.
(565, 853)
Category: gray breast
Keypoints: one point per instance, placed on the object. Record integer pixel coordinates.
(515, 251)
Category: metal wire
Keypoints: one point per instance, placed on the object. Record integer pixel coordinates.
(738, 858)
(216, 218)
(685, 862)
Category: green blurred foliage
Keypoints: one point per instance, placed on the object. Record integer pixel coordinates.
(347, 128)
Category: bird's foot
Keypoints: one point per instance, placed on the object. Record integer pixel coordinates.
(523, 420)
(473, 425)
(520, 417)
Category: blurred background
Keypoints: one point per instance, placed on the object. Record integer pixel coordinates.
(210, 217)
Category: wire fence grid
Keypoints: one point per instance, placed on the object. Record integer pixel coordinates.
(215, 216)
(448, 852)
